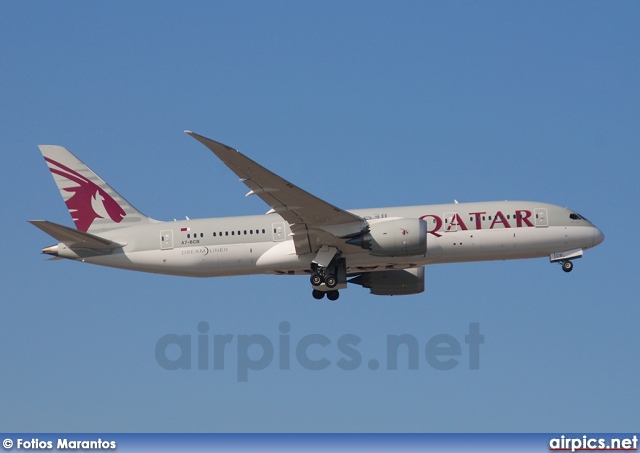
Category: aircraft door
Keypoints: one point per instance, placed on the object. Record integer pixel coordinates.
(278, 231)
(541, 217)
(166, 239)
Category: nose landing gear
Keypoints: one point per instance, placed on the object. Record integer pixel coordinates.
(567, 266)
(565, 258)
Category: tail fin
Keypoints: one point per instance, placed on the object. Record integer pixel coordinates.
(93, 205)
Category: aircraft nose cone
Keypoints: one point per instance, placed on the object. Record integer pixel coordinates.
(598, 237)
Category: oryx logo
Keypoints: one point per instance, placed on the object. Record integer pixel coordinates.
(404, 232)
(88, 202)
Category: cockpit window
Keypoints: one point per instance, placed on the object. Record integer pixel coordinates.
(576, 216)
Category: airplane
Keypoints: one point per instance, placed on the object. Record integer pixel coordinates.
(382, 249)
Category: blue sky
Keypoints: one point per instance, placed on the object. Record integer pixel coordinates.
(362, 104)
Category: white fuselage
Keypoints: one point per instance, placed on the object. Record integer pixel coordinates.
(262, 244)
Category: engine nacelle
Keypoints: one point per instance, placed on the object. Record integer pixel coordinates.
(394, 237)
(393, 282)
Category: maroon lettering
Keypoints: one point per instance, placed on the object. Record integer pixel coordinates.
(437, 226)
(457, 220)
(500, 218)
(478, 218)
(523, 216)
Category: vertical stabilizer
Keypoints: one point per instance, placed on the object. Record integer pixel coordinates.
(93, 204)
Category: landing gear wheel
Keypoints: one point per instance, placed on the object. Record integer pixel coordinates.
(330, 281)
(567, 266)
(316, 279)
(317, 294)
(333, 295)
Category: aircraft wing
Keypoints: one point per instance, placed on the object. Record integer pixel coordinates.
(314, 222)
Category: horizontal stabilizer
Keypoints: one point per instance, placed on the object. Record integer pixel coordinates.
(75, 238)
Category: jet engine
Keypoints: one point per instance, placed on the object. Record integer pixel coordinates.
(393, 237)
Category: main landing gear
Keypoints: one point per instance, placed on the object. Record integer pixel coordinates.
(331, 295)
(318, 279)
(325, 280)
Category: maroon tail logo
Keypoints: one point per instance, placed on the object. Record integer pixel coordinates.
(88, 202)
